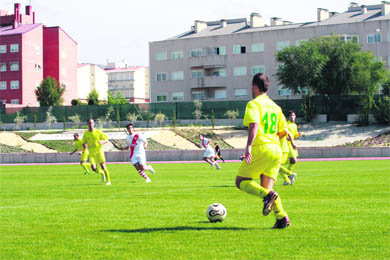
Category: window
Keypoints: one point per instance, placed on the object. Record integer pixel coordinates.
(15, 84)
(162, 97)
(14, 48)
(284, 92)
(161, 55)
(178, 96)
(281, 45)
(14, 66)
(258, 69)
(196, 52)
(3, 85)
(177, 55)
(220, 93)
(304, 91)
(239, 71)
(196, 74)
(197, 95)
(161, 76)
(3, 67)
(374, 38)
(221, 50)
(14, 101)
(178, 75)
(258, 47)
(351, 38)
(240, 92)
(220, 73)
(3, 48)
(239, 49)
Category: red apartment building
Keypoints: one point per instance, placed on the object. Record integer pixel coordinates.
(29, 52)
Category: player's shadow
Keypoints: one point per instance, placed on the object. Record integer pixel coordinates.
(173, 229)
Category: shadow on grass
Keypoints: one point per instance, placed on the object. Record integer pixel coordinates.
(223, 186)
(170, 229)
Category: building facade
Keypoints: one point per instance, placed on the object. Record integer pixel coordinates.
(217, 60)
(29, 52)
(90, 77)
(132, 82)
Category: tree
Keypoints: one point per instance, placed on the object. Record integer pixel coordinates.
(49, 92)
(132, 117)
(19, 120)
(116, 100)
(93, 97)
(75, 119)
(367, 76)
(232, 114)
(198, 106)
(160, 118)
(321, 65)
(50, 118)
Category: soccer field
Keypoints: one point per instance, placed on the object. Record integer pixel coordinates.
(338, 210)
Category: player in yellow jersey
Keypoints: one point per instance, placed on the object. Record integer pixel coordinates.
(288, 176)
(263, 155)
(294, 134)
(93, 140)
(84, 153)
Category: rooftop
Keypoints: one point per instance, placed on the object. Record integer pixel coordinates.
(242, 25)
(21, 29)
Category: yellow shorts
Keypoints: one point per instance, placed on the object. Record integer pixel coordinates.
(293, 153)
(266, 160)
(96, 157)
(284, 157)
(84, 157)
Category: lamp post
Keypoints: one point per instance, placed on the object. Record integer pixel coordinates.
(377, 37)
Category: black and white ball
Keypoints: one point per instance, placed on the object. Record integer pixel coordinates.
(216, 212)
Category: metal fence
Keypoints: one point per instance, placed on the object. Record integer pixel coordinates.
(337, 108)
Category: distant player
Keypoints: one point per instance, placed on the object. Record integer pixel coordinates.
(266, 124)
(209, 154)
(93, 140)
(294, 134)
(288, 176)
(218, 153)
(137, 144)
(78, 144)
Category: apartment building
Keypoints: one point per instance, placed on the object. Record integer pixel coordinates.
(216, 60)
(131, 81)
(91, 77)
(29, 52)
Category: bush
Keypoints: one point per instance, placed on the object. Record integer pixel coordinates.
(76, 102)
(382, 111)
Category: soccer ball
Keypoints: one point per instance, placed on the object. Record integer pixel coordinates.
(216, 212)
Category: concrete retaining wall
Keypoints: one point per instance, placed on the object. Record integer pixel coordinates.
(194, 155)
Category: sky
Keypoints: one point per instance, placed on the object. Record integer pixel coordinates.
(122, 29)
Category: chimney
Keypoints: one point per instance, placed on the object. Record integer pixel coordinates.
(20, 18)
(385, 7)
(200, 26)
(28, 9)
(353, 4)
(256, 20)
(363, 9)
(17, 11)
(223, 23)
(322, 14)
(33, 17)
(276, 21)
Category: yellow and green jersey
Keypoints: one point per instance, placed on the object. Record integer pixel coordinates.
(92, 138)
(270, 118)
(78, 145)
(293, 129)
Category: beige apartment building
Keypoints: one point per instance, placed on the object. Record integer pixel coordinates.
(132, 82)
(90, 77)
(216, 60)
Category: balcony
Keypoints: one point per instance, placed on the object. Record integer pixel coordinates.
(207, 61)
(207, 82)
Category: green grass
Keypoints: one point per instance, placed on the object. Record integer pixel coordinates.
(338, 210)
(62, 146)
(11, 149)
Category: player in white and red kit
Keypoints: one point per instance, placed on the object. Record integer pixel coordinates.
(137, 144)
(209, 154)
